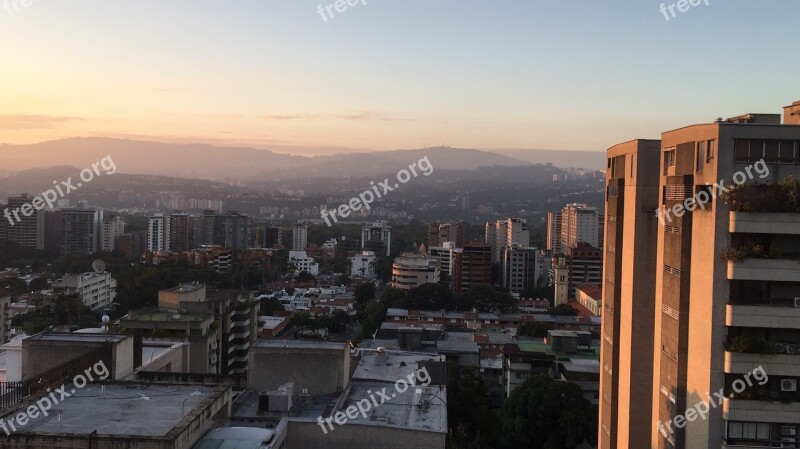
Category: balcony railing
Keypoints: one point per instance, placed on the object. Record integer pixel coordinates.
(763, 316)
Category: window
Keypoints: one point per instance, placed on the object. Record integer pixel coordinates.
(669, 158)
(701, 157)
(771, 151)
(741, 150)
(786, 152)
(748, 431)
(710, 150)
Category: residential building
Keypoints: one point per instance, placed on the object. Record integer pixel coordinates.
(377, 238)
(272, 237)
(299, 237)
(726, 282)
(519, 268)
(5, 317)
(628, 295)
(180, 233)
(446, 255)
(112, 227)
(230, 229)
(97, 290)
(363, 265)
(472, 266)
(439, 233)
(579, 224)
(410, 270)
(303, 262)
(508, 232)
(28, 231)
(157, 233)
(81, 231)
(581, 265)
(554, 232)
(216, 257)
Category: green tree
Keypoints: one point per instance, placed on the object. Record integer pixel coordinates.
(364, 293)
(271, 305)
(39, 284)
(546, 414)
(564, 310)
(339, 320)
(471, 423)
(15, 286)
(485, 298)
(430, 297)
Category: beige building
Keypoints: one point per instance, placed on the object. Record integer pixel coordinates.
(411, 270)
(726, 310)
(5, 317)
(628, 295)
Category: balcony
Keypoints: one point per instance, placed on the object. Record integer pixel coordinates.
(764, 316)
(761, 411)
(779, 270)
(774, 364)
(764, 223)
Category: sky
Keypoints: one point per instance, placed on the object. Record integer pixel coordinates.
(389, 74)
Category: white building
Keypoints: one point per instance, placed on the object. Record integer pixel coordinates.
(411, 270)
(579, 223)
(508, 232)
(378, 238)
(112, 226)
(157, 233)
(299, 237)
(329, 246)
(303, 262)
(97, 290)
(446, 255)
(363, 265)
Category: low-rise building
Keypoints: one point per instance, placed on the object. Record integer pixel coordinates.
(303, 262)
(363, 265)
(97, 290)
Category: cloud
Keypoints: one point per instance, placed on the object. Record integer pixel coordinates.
(18, 122)
(290, 117)
(373, 116)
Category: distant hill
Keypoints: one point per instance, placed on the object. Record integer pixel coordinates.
(592, 160)
(217, 163)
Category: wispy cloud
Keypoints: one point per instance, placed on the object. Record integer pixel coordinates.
(373, 116)
(17, 122)
(290, 117)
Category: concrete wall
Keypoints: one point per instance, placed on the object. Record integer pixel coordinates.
(176, 360)
(302, 435)
(320, 370)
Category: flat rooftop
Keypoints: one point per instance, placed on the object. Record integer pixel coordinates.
(299, 344)
(391, 366)
(124, 409)
(401, 411)
(157, 315)
(77, 337)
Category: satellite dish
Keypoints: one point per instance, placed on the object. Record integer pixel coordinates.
(99, 266)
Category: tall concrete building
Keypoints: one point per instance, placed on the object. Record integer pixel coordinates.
(519, 268)
(157, 233)
(299, 237)
(508, 232)
(554, 232)
(377, 238)
(81, 231)
(628, 295)
(180, 233)
(112, 227)
(439, 233)
(472, 267)
(579, 224)
(726, 302)
(27, 230)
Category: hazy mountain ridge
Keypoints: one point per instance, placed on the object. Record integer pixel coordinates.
(203, 161)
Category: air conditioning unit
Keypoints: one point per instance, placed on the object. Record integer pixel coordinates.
(788, 385)
(797, 302)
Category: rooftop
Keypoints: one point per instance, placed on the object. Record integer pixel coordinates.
(98, 338)
(304, 344)
(123, 409)
(390, 366)
(401, 411)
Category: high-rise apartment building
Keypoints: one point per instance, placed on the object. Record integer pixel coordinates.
(230, 229)
(377, 238)
(299, 237)
(628, 295)
(472, 266)
(81, 231)
(157, 233)
(519, 268)
(726, 301)
(439, 233)
(112, 227)
(508, 232)
(554, 232)
(27, 230)
(579, 224)
(180, 232)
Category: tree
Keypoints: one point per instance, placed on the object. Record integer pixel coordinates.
(270, 305)
(546, 414)
(39, 284)
(430, 297)
(471, 423)
(15, 286)
(564, 310)
(364, 293)
(545, 292)
(393, 297)
(339, 320)
(305, 276)
(343, 280)
(486, 298)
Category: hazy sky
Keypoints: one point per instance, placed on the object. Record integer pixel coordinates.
(555, 74)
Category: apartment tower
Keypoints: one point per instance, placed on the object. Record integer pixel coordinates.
(626, 358)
